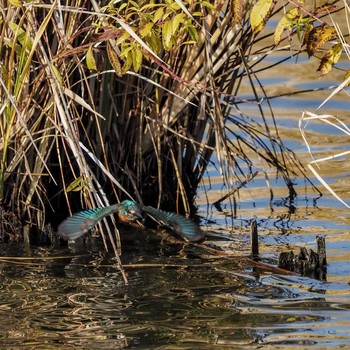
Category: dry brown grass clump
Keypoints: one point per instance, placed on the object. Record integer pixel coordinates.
(127, 100)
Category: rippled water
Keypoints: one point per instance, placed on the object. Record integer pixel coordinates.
(176, 298)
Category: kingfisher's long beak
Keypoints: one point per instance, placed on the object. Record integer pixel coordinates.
(137, 213)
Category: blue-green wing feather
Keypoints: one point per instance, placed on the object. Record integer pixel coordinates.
(179, 224)
(78, 224)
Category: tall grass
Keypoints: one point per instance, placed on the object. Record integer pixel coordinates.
(72, 137)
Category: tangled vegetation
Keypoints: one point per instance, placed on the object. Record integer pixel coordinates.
(131, 99)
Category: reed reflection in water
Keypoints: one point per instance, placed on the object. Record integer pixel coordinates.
(173, 298)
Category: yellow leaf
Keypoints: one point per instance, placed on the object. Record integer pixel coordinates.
(146, 29)
(78, 184)
(177, 21)
(325, 8)
(286, 22)
(154, 42)
(259, 14)
(174, 6)
(122, 7)
(128, 62)
(16, 3)
(90, 59)
(330, 58)
(125, 50)
(319, 36)
(158, 15)
(122, 38)
(308, 29)
(57, 74)
(347, 75)
(137, 59)
(150, 6)
(208, 5)
(114, 59)
(167, 33)
(189, 42)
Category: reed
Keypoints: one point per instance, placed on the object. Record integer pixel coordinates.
(95, 110)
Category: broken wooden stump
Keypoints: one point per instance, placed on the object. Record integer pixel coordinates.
(254, 239)
(306, 262)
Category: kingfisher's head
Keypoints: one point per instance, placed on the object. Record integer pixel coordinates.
(129, 211)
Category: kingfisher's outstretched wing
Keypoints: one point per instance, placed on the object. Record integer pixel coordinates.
(182, 226)
(78, 224)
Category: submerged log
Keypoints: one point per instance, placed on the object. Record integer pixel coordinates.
(306, 262)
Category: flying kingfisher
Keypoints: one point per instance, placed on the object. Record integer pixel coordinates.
(128, 211)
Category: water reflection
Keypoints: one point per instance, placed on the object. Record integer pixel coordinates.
(62, 300)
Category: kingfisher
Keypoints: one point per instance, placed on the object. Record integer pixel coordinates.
(128, 211)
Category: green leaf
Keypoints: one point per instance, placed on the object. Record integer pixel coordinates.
(193, 32)
(11, 44)
(90, 59)
(22, 37)
(259, 14)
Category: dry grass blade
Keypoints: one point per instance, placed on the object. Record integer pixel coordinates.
(334, 122)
